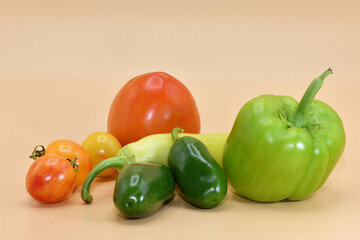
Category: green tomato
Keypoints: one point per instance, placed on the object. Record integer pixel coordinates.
(101, 146)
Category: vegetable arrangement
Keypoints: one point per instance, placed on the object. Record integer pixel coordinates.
(278, 149)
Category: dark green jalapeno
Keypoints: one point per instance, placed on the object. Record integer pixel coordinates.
(142, 188)
(201, 180)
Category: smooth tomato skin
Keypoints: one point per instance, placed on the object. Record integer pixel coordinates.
(149, 104)
(50, 179)
(100, 146)
(70, 150)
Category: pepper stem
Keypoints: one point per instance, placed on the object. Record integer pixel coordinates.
(118, 162)
(300, 116)
(175, 132)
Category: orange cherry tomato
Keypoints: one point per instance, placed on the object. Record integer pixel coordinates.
(71, 150)
(100, 146)
(152, 103)
(50, 178)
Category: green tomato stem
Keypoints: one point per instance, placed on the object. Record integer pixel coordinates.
(37, 153)
(174, 134)
(74, 164)
(300, 116)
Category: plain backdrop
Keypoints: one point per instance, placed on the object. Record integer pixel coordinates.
(62, 62)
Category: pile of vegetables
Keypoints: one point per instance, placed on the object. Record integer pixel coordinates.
(278, 149)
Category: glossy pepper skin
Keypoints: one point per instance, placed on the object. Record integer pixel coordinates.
(200, 178)
(142, 188)
(279, 149)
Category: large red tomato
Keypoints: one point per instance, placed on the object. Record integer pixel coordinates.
(152, 103)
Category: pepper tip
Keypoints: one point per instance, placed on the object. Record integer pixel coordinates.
(86, 196)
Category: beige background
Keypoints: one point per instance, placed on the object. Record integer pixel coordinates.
(62, 62)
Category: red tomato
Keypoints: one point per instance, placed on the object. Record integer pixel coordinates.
(152, 103)
(50, 179)
(71, 150)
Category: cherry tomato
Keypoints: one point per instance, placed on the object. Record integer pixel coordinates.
(71, 150)
(50, 178)
(100, 146)
(152, 103)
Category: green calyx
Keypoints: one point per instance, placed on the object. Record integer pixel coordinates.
(301, 117)
(312, 124)
(74, 164)
(37, 152)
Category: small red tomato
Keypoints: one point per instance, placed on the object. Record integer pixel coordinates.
(50, 179)
(71, 150)
(152, 103)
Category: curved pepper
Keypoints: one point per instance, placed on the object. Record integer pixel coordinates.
(279, 149)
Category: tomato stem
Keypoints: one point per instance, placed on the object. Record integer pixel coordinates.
(37, 153)
(74, 164)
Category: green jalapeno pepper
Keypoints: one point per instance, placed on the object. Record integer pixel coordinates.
(201, 180)
(142, 188)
